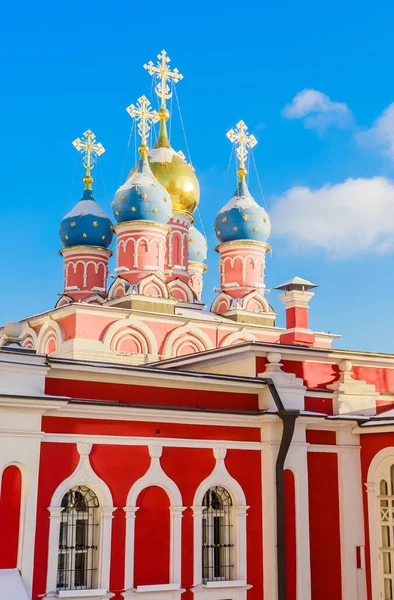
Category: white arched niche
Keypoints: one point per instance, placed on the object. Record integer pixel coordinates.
(155, 476)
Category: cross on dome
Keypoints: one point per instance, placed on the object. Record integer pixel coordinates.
(243, 142)
(163, 74)
(90, 150)
(143, 114)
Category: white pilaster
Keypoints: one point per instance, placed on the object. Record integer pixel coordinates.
(129, 550)
(297, 461)
(271, 430)
(351, 514)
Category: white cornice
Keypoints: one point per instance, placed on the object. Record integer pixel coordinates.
(149, 441)
(118, 374)
(288, 352)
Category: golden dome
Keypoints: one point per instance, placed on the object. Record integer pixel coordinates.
(173, 172)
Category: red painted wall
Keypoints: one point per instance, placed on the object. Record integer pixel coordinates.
(321, 436)
(325, 545)
(10, 506)
(152, 538)
(120, 466)
(290, 529)
(148, 429)
(138, 394)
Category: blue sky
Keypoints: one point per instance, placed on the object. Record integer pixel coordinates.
(67, 68)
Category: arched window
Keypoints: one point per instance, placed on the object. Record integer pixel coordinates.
(217, 535)
(386, 506)
(78, 540)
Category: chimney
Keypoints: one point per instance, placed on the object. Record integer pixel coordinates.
(296, 300)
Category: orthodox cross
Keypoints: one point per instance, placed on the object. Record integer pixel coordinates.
(143, 115)
(243, 141)
(163, 75)
(90, 150)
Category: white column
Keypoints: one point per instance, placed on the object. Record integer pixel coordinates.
(129, 551)
(53, 547)
(197, 544)
(105, 548)
(297, 461)
(176, 543)
(241, 542)
(271, 431)
(351, 514)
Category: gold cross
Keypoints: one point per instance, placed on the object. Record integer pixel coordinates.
(243, 141)
(144, 115)
(163, 75)
(90, 150)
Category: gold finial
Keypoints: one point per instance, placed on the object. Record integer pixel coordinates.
(90, 150)
(143, 115)
(243, 141)
(163, 74)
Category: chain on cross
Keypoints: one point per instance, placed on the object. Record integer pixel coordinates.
(143, 115)
(163, 75)
(243, 141)
(90, 150)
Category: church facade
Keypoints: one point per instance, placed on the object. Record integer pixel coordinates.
(153, 449)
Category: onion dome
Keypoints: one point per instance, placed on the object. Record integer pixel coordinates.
(86, 224)
(142, 197)
(169, 167)
(173, 172)
(197, 245)
(242, 218)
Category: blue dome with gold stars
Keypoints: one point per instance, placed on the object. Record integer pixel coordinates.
(142, 197)
(242, 218)
(197, 245)
(86, 224)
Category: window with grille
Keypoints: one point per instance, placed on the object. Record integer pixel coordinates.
(217, 535)
(78, 540)
(386, 501)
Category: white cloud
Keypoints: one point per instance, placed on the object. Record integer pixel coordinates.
(345, 219)
(381, 134)
(318, 110)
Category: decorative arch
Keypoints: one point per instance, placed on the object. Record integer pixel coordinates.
(221, 304)
(64, 300)
(237, 337)
(155, 476)
(188, 333)
(50, 337)
(181, 291)
(94, 299)
(133, 329)
(221, 477)
(120, 287)
(153, 286)
(29, 337)
(83, 475)
(255, 302)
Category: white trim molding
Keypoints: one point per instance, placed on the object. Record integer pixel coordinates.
(155, 476)
(237, 588)
(83, 475)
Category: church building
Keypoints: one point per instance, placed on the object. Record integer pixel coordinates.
(154, 448)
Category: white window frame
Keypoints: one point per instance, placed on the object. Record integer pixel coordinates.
(84, 476)
(236, 588)
(379, 469)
